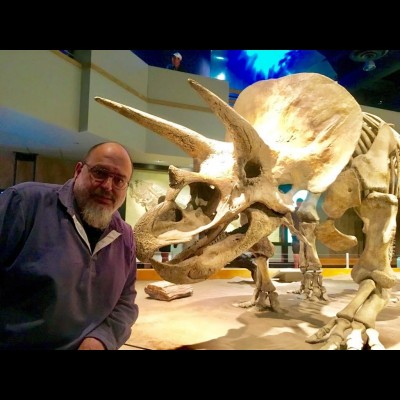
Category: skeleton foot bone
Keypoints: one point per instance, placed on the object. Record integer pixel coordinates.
(265, 289)
(259, 300)
(354, 326)
(311, 287)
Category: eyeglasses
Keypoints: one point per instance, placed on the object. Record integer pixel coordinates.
(100, 174)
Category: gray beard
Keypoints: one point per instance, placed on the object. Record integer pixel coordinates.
(96, 216)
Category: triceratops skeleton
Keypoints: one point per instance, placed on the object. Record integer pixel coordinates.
(302, 130)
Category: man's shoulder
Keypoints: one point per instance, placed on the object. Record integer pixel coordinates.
(31, 188)
(30, 195)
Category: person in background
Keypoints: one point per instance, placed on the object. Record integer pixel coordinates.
(176, 62)
(295, 239)
(68, 259)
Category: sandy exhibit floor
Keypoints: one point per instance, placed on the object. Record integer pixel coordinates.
(208, 320)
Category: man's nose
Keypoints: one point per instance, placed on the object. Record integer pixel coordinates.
(107, 183)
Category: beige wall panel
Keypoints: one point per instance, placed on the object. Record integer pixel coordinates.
(41, 84)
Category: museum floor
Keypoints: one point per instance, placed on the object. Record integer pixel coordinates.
(207, 320)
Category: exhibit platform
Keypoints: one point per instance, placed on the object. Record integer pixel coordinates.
(149, 274)
(209, 320)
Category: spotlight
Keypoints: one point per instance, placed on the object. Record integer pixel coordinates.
(369, 65)
(368, 57)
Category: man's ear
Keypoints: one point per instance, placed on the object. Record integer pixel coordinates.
(78, 168)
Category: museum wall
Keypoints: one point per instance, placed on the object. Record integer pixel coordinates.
(42, 84)
(54, 170)
(167, 94)
(50, 170)
(117, 76)
(7, 168)
(49, 86)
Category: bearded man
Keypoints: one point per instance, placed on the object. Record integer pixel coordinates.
(68, 259)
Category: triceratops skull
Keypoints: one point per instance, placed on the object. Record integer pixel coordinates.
(299, 130)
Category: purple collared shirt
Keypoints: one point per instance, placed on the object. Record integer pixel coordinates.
(54, 291)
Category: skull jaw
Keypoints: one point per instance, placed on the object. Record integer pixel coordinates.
(197, 264)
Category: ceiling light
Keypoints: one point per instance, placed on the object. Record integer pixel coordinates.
(369, 65)
(368, 57)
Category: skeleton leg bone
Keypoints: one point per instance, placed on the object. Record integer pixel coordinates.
(311, 286)
(372, 273)
(264, 290)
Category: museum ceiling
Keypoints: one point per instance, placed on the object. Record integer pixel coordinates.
(371, 76)
(379, 87)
